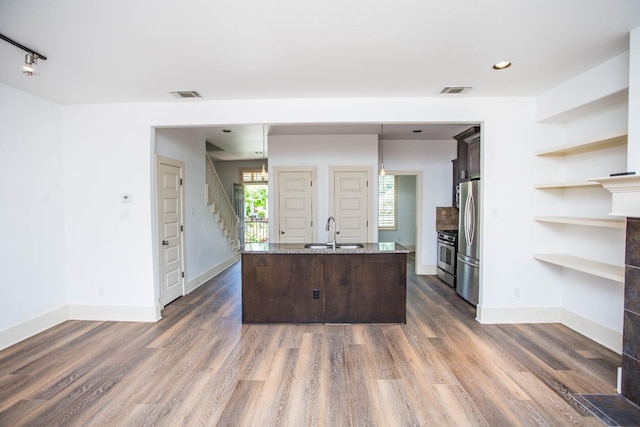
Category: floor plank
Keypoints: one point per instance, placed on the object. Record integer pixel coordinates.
(200, 366)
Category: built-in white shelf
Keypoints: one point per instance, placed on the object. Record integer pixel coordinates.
(595, 268)
(568, 184)
(585, 146)
(589, 222)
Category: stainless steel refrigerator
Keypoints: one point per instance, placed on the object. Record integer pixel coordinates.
(468, 265)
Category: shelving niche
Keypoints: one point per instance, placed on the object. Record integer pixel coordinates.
(585, 146)
(589, 266)
(567, 184)
(590, 222)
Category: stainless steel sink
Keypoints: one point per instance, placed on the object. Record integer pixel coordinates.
(317, 246)
(338, 246)
(349, 246)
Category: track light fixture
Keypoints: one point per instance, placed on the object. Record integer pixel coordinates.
(30, 59)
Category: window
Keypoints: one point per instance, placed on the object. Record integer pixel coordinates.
(256, 200)
(387, 202)
(252, 176)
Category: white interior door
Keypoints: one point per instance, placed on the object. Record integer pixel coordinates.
(295, 207)
(351, 205)
(170, 230)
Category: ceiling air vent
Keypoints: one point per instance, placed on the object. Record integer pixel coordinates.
(185, 94)
(455, 89)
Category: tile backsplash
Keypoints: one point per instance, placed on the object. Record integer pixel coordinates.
(446, 218)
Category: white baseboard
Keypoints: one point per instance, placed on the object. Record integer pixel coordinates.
(31, 327)
(114, 313)
(195, 283)
(426, 270)
(601, 334)
(595, 331)
(518, 314)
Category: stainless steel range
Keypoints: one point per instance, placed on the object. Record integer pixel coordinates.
(447, 244)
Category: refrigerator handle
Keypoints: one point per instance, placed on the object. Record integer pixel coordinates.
(472, 223)
(472, 264)
(469, 219)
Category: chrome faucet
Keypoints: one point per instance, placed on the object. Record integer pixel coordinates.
(332, 242)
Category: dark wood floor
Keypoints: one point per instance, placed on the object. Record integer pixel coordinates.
(200, 366)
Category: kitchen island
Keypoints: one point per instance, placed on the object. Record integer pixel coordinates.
(288, 283)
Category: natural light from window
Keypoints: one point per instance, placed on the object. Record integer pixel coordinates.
(387, 202)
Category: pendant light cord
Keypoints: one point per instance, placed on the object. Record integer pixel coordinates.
(382, 171)
(264, 170)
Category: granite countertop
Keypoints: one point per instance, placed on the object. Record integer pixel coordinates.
(298, 248)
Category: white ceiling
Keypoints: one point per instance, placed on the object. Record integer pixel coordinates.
(138, 51)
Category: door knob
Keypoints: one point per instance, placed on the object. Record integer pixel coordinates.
(282, 232)
(165, 242)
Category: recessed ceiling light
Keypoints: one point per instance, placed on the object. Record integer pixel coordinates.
(417, 131)
(501, 65)
(226, 130)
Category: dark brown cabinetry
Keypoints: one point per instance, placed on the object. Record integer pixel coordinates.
(468, 154)
(350, 288)
(368, 288)
(473, 158)
(467, 164)
(279, 288)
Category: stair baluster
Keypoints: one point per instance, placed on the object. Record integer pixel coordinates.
(225, 213)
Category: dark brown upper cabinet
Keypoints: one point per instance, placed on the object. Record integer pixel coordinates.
(468, 164)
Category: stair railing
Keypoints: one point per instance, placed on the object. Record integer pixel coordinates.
(217, 198)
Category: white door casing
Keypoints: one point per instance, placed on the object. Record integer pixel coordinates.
(420, 269)
(170, 229)
(351, 203)
(295, 204)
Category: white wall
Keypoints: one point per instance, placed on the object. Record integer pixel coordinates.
(110, 246)
(633, 159)
(33, 256)
(514, 287)
(205, 243)
(322, 151)
(597, 88)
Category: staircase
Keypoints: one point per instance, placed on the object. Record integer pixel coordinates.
(221, 207)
